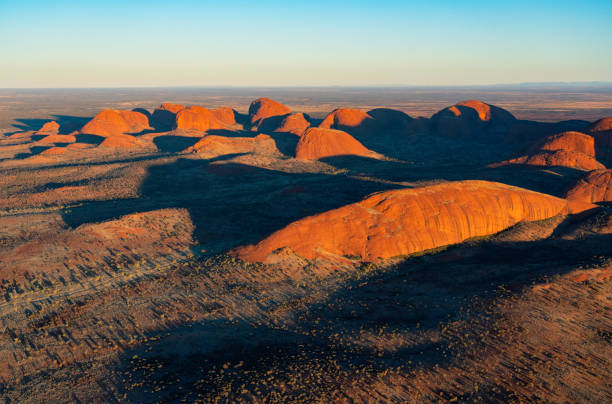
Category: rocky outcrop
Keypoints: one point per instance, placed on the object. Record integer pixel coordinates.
(594, 187)
(473, 120)
(198, 118)
(212, 145)
(265, 108)
(294, 123)
(164, 117)
(557, 158)
(567, 149)
(318, 143)
(124, 142)
(354, 121)
(115, 122)
(49, 128)
(569, 141)
(602, 132)
(225, 115)
(401, 222)
(58, 139)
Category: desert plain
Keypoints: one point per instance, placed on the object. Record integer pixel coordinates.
(306, 245)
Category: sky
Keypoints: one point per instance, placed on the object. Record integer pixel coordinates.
(112, 43)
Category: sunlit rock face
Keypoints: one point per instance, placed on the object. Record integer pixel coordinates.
(265, 108)
(567, 149)
(212, 145)
(114, 122)
(198, 118)
(318, 143)
(474, 120)
(594, 187)
(164, 117)
(402, 222)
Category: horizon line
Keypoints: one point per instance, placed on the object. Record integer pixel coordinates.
(517, 84)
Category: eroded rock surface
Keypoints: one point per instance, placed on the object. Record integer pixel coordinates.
(406, 221)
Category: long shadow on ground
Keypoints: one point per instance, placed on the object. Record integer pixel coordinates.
(316, 356)
(231, 204)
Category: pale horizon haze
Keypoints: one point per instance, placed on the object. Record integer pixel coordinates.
(273, 43)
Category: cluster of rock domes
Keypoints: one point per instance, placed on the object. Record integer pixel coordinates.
(388, 224)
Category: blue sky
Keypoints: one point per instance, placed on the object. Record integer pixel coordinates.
(284, 43)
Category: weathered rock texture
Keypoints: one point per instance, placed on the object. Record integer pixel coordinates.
(350, 120)
(602, 132)
(402, 222)
(318, 143)
(164, 117)
(124, 142)
(225, 115)
(472, 119)
(264, 108)
(115, 122)
(198, 118)
(212, 145)
(294, 123)
(58, 139)
(569, 141)
(594, 187)
(49, 128)
(567, 149)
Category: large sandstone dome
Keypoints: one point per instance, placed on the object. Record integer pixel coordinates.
(123, 141)
(265, 108)
(51, 127)
(558, 158)
(602, 132)
(213, 146)
(351, 120)
(594, 187)
(472, 119)
(164, 116)
(293, 123)
(115, 122)
(406, 221)
(391, 119)
(198, 118)
(567, 149)
(225, 115)
(318, 143)
(55, 138)
(569, 141)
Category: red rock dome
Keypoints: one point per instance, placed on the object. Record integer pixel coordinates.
(114, 122)
(318, 143)
(406, 221)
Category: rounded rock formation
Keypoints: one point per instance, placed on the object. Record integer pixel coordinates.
(566, 149)
(472, 119)
(602, 132)
(318, 143)
(402, 222)
(264, 108)
(225, 114)
(51, 127)
(53, 151)
(123, 141)
(294, 123)
(557, 158)
(164, 117)
(212, 145)
(197, 118)
(115, 122)
(354, 121)
(594, 187)
(569, 141)
(58, 139)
